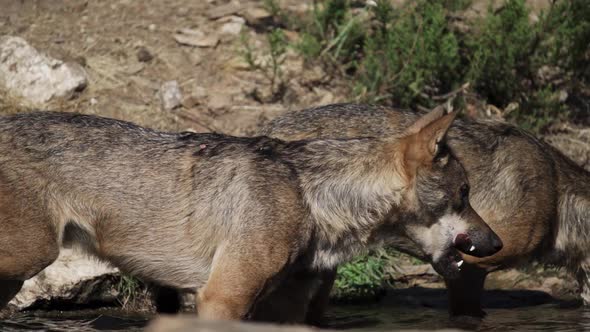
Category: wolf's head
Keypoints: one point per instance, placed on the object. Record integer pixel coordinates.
(441, 221)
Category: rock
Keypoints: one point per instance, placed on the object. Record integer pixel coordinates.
(256, 16)
(133, 68)
(238, 63)
(220, 101)
(37, 78)
(415, 269)
(196, 38)
(224, 10)
(563, 95)
(188, 323)
(234, 26)
(62, 279)
(144, 55)
(170, 95)
(327, 98)
(196, 97)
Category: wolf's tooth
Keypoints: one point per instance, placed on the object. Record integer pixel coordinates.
(472, 248)
(459, 263)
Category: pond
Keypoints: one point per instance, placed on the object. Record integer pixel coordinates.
(403, 309)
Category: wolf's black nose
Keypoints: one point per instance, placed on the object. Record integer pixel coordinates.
(497, 243)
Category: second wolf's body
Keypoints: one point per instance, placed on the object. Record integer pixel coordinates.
(232, 217)
(533, 197)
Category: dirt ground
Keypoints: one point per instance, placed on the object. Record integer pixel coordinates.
(114, 40)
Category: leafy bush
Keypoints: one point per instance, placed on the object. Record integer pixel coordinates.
(404, 56)
(410, 52)
(500, 53)
(362, 278)
(333, 33)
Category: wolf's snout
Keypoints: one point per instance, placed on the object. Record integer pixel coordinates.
(478, 244)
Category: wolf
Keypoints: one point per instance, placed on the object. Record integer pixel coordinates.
(234, 218)
(536, 199)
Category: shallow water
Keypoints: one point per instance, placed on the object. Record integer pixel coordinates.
(405, 309)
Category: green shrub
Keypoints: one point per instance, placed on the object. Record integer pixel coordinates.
(406, 55)
(332, 33)
(362, 278)
(570, 43)
(542, 108)
(410, 53)
(500, 53)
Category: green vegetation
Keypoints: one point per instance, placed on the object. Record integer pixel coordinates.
(364, 277)
(408, 55)
(131, 291)
(271, 66)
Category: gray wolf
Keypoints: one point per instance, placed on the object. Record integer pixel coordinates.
(532, 196)
(234, 218)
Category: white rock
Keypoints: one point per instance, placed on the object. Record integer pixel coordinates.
(170, 95)
(60, 279)
(192, 37)
(234, 26)
(255, 15)
(35, 77)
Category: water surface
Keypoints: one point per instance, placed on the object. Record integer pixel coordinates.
(403, 309)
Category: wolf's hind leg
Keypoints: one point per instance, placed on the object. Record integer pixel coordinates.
(240, 273)
(466, 291)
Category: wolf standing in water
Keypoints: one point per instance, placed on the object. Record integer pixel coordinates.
(235, 218)
(533, 197)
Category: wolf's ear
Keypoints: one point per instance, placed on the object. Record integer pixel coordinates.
(425, 138)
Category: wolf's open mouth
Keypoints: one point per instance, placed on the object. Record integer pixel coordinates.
(449, 265)
(463, 243)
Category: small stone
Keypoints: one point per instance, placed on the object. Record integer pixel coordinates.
(182, 11)
(133, 68)
(196, 38)
(224, 10)
(152, 27)
(143, 55)
(238, 63)
(256, 16)
(234, 26)
(197, 96)
(199, 92)
(93, 101)
(327, 98)
(563, 96)
(219, 101)
(170, 95)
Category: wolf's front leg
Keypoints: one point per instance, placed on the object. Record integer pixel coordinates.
(299, 296)
(240, 273)
(465, 292)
